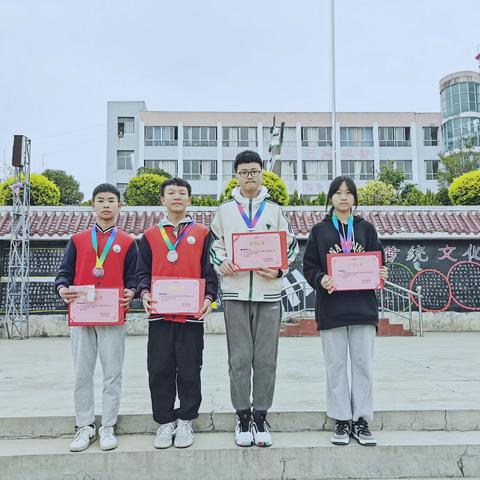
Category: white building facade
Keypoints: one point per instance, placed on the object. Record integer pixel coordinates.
(201, 146)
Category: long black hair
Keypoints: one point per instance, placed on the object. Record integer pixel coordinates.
(335, 185)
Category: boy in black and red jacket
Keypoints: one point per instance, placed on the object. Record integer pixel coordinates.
(105, 257)
(177, 247)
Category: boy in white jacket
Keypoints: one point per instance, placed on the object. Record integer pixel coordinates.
(251, 299)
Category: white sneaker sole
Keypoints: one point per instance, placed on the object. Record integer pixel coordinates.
(108, 447)
(183, 445)
(162, 447)
(366, 443)
(337, 441)
(81, 449)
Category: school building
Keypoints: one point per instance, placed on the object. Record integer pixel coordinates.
(201, 146)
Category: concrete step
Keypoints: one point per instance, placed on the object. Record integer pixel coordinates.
(300, 456)
(395, 420)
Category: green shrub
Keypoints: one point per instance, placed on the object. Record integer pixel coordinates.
(275, 185)
(144, 190)
(376, 193)
(42, 191)
(465, 190)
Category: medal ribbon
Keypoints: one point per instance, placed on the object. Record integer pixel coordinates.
(173, 246)
(99, 261)
(251, 224)
(346, 243)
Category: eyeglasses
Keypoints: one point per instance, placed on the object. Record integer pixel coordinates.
(252, 173)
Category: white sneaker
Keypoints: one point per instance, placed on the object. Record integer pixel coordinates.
(261, 433)
(243, 430)
(108, 441)
(84, 436)
(183, 434)
(164, 437)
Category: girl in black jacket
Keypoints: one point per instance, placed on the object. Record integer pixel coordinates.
(347, 319)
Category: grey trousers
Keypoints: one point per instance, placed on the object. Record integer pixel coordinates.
(344, 403)
(252, 339)
(109, 343)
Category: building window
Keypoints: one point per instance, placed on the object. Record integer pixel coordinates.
(404, 165)
(356, 137)
(461, 132)
(394, 136)
(228, 172)
(287, 169)
(358, 169)
(316, 136)
(161, 136)
(124, 159)
(126, 126)
(430, 136)
(200, 136)
(460, 97)
(240, 137)
(317, 170)
(200, 169)
(169, 166)
(431, 169)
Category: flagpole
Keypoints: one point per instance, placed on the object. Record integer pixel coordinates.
(333, 100)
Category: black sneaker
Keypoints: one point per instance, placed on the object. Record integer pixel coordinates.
(362, 434)
(243, 430)
(341, 434)
(261, 433)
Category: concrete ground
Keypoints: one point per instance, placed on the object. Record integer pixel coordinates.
(440, 371)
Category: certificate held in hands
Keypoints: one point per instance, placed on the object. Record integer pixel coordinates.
(177, 296)
(355, 271)
(252, 251)
(105, 309)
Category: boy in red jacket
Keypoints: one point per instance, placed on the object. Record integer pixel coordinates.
(177, 247)
(105, 257)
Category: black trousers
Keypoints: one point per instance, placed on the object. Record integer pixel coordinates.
(174, 359)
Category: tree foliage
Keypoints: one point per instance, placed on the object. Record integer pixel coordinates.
(144, 190)
(376, 192)
(465, 190)
(69, 187)
(42, 191)
(275, 185)
(454, 164)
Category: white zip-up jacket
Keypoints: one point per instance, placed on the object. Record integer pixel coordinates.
(248, 286)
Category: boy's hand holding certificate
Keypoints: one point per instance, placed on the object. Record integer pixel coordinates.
(177, 296)
(104, 309)
(255, 250)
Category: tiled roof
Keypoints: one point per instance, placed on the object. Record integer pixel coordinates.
(49, 223)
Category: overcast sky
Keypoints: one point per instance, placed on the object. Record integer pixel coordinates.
(61, 61)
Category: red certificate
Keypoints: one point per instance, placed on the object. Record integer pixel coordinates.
(252, 251)
(177, 296)
(104, 310)
(355, 271)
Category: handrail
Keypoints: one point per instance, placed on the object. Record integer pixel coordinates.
(295, 295)
(407, 298)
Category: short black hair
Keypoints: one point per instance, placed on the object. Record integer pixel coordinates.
(247, 156)
(336, 184)
(177, 181)
(106, 188)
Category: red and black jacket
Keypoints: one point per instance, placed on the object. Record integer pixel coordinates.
(79, 261)
(193, 259)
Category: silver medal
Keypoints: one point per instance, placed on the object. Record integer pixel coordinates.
(172, 256)
(98, 272)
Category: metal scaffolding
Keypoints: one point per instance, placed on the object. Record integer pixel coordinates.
(18, 298)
